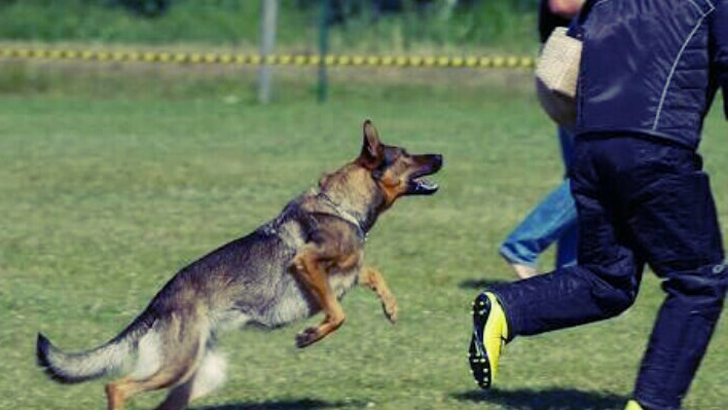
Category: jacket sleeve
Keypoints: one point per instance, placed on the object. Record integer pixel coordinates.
(719, 44)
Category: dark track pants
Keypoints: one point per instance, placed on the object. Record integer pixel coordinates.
(639, 201)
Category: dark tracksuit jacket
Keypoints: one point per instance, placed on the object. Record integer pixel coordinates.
(650, 71)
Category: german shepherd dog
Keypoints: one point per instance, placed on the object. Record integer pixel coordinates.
(300, 263)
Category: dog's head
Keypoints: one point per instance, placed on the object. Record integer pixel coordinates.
(396, 172)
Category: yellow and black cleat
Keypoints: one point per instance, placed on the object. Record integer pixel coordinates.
(633, 405)
(490, 332)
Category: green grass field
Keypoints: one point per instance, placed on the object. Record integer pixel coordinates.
(103, 197)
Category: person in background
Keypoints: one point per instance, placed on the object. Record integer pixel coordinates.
(650, 70)
(554, 218)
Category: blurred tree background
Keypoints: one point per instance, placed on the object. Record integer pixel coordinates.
(382, 26)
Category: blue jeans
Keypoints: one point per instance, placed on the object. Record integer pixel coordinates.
(554, 218)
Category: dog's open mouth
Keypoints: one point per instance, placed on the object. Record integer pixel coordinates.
(417, 184)
(422, 186)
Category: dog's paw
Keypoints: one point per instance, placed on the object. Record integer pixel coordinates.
(307, 337)
(391, 310)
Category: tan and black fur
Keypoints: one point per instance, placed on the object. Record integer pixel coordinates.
(300, 263)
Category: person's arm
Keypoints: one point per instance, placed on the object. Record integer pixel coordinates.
(719, 43)
(565, 8)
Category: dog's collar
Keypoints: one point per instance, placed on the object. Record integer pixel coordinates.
(345, 215)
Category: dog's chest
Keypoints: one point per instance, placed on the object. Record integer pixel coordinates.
(295, 302)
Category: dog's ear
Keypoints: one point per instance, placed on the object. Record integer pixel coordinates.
(372, 150)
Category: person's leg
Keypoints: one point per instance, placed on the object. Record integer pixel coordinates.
(680, 337)
(605, 282)
(603, 285)
(652, 202)
(675, 223)
(554, 218)
(548, 221)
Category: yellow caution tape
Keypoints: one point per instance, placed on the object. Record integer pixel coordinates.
(503, 62)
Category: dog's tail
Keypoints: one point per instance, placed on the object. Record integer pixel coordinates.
(97, 362)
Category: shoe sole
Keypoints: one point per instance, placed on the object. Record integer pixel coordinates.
(478, 357)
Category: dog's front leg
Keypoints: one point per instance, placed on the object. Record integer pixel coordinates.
(309, 266)
(374, 280)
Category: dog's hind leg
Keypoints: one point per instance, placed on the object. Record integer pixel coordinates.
(170, 374)
(119, 391)
(183, 348)
(178, 397)
(374, 280)
(209, 375)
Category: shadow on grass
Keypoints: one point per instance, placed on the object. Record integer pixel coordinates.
(294, 404)
(549, 399)
(480, 283)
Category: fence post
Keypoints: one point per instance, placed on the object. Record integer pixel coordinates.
(267, 44)
(323, 50)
